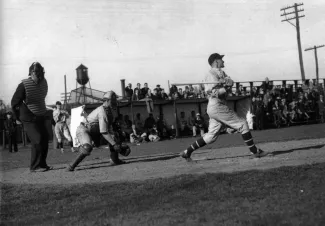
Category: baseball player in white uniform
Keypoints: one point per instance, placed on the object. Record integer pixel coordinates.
(220, 114)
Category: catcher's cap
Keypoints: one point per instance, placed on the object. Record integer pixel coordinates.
(58, 103)
(108, 95)
(213, 57)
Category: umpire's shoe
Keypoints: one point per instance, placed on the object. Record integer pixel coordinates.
(186, 155)
(260, 153)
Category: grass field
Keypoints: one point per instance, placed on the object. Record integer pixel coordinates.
(282, 196)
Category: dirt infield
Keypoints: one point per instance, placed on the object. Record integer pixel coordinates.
(147, 167)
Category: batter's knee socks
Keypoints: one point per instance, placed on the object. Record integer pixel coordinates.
(76, 162)
(249, 142)
(197, 144)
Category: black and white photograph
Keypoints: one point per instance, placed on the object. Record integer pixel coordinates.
(161, 112)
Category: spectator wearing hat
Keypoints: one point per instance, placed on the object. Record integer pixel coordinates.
(11, 128)
(198, 125)
(61, 128)
(2, 109)
(129, 91)
(158, 89)
(28, 103)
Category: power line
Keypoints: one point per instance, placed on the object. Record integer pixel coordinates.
(297, 26)
(316, 59)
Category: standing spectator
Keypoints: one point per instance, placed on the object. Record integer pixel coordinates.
(180, 93)
(145, 89)
(2, 109)
(139, 123)
(266, 85)
(260, 113)
(321, 108)
(128, 124)
(162, 128)
(129, 91)
(11, 128)
(191, 121)
(29, 100)
(149, 101)
(198, 125)
(183, 124)
(61, 128)
(155, 95)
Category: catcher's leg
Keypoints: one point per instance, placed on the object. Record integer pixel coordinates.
(209, 137)
(85, 148)
(114, 156)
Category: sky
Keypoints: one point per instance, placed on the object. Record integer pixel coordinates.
(154, 41)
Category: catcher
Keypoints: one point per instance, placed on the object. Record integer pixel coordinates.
(220, 114)
(100, 122)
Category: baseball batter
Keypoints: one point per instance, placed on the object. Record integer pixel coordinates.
(220, 114)
(99, 122)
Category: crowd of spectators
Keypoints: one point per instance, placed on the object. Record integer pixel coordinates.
(282, 105)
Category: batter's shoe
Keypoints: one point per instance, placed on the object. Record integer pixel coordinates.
(260, 153)
(186, 155)
(74, 164)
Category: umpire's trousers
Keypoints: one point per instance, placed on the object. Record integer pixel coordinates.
(38, 132)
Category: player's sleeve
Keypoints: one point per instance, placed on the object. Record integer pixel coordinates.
(103, 121)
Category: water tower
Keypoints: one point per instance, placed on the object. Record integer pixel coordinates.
(82, 79)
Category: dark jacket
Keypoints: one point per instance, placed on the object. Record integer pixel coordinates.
(10, 126)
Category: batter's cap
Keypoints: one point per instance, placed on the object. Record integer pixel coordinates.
(108, 95)
(213, 57)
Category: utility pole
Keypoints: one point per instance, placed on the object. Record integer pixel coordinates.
(297, 16)
(316, 59)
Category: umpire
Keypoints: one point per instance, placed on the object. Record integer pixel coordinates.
(28, 103)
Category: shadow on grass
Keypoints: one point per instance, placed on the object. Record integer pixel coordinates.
(298, 149)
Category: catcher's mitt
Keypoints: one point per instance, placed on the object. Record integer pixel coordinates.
(123, 149)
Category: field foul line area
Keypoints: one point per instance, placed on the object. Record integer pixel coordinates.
(225, 160)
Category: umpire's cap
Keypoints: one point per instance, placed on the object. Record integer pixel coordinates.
(108, 95)
(213, 57)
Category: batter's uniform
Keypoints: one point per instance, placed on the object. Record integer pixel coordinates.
(89, 132)
(61, 128)
(219, 113)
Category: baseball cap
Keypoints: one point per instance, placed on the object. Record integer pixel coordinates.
(214, 56)
(58, 103)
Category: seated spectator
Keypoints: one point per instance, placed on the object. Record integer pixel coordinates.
(198, 125)
(183, 124)
(158, 89)
(292, 109)
(137, 136)
(260, 113)
(138, 90)
(305, 86)
(136, 96)
(173, 90)
(180, 93)
(266, 85)
(155, 95)
(191, 93)
(145, 89)
(285, 111)
(119, 126)
(277, 112)
(153, 134)
(149, 123)
(164, 96)
(162, 128)
(129, 91)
